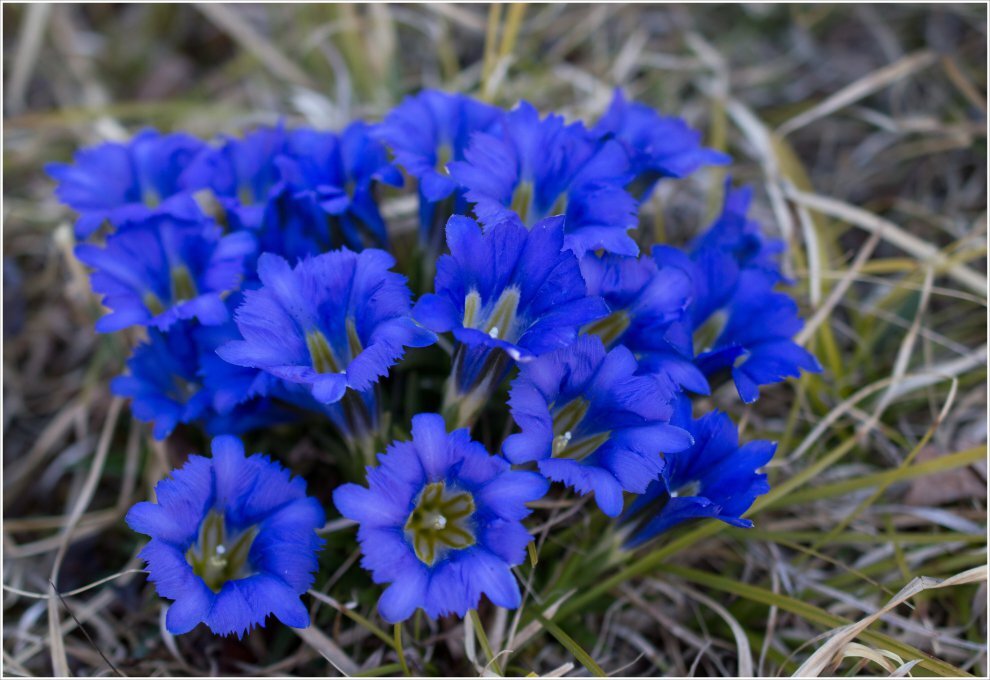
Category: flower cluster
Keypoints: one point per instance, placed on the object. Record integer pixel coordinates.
(271, 292)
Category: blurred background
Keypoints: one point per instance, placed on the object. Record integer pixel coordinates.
(862, 129)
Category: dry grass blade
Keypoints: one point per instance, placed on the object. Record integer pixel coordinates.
(77, 591)
(229, 20)
(560, 671)
(882, 657)
(464, 18)
(328, 649)
(893, 234)
(824, 656)
(835, 296)
(26, 59)
(904, 353)
(60, 663)
(940, 372)
(744, 654)
(861, 88)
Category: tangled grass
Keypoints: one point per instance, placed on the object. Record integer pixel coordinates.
(863, 129)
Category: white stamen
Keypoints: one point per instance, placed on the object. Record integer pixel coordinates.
(493, 332)
(221, 549)
(561, 441)
(439, 521)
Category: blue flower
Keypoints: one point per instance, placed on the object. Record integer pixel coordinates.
(229, 385)
(177, 377)
(737, 236)
(162, 269)
(715, 258)
(302, 191)
(296, 229)
(537, 168)
(427, 131)
(233, 540)
(337, 175)
(509, 288)
(649, 305)
(242, 174)
(120, 183)
(252, 414)
(163, 381)
(733, 269)
(716, 477)
(440, 522)
(591, 422)
(335, 321)
(755, 343)
(658, 146)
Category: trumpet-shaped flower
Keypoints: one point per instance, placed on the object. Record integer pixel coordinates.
(425, 133)
(440, 522)
(242, 174)
(336, 175)
(161, 270)
(755, 344)
(734, 322)
(649, 305)
(233, 540)
(537, 168)
(177, 377)
(592, 423)
(658, 146)
(715, 477)
(509, 288)
(163, 381)
(335, 321)
(120, 183)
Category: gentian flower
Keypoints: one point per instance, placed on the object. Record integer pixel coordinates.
(538, 168)
(715, 258)
(233, 540)
(177, 377)
(249, 415)
(658, 146)
(426, 132)
(649, 305)
(716, 477)
(242, 174)
(229, 385)
(162, 269)
(163, 380)
(755, 343)
(335, 321)
(120, 183)
(591, 422)
(736, 235)
(440, 522)
(508, 293)
(732, 268)
(337, 175)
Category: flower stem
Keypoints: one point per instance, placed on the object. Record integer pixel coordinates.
(397, 633)
(479, 630)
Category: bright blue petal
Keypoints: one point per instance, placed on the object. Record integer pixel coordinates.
(404, 596)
